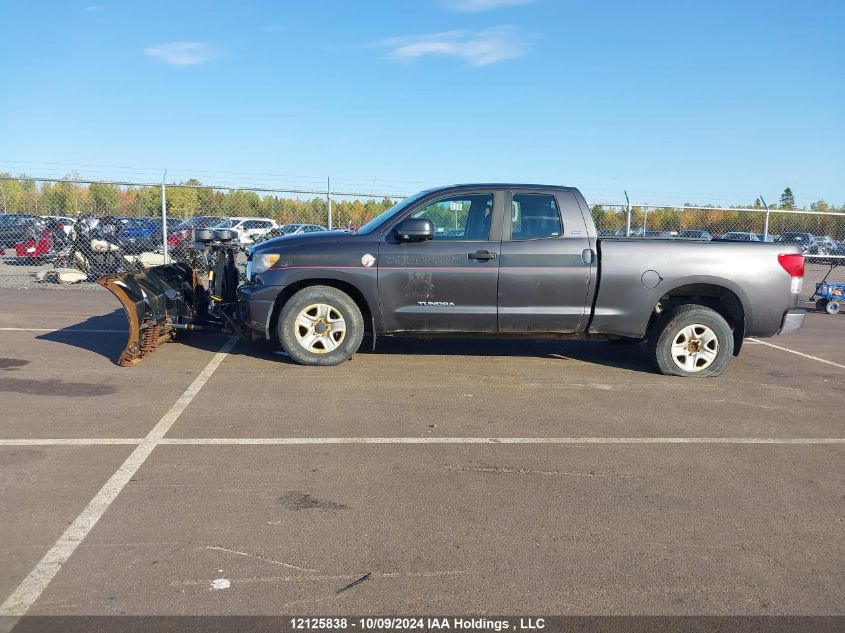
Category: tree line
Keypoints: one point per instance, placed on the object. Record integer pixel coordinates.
(27, 195)
(718, 222)
(185, 200)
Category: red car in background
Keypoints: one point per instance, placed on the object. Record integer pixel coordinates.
(42, 240)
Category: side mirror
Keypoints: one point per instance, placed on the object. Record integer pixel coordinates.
(415, 230)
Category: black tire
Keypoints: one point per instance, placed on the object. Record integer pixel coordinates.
(669, 330)
(821, 304)
(341, 304)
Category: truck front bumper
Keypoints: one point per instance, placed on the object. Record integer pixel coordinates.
(255, 306)
(792, 321)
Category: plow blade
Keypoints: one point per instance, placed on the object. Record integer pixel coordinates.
(156, 301)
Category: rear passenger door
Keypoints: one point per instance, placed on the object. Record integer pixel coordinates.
(546, 260)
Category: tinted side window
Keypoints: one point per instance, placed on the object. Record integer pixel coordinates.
(534, 216)
(463, 218)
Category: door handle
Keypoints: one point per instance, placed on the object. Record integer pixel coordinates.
(587, 256)
(481, 256)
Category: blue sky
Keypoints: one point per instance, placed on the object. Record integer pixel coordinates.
(675, 101)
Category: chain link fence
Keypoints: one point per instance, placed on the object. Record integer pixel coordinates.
(70, 232)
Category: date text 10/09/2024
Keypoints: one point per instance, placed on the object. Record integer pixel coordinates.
(417, 623)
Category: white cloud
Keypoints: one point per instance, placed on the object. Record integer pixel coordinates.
(478, 48)
(181, 53)
(93, 7)
(476, 6)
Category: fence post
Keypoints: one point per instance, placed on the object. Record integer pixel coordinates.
(628, 214)
(329, 199)
(766, 223)
(164, 217)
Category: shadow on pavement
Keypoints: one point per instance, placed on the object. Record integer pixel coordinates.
(103, 334)
(596, 352)
(106, 335)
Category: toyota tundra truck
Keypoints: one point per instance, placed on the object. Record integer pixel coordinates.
(494, 260)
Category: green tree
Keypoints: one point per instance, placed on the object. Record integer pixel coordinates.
(787, 199)
(105, 198)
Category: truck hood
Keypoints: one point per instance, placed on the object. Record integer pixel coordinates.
(286, 242)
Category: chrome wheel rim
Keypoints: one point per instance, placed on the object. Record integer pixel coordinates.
(695, 347)
(320, 328)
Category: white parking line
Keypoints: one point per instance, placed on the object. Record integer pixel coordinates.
(300, 441)
(22, 598)
(802, 354)
(501, 440)
(71, 441)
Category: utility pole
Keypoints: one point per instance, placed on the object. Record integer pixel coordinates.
(164, 217)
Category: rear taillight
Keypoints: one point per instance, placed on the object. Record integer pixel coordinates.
(793, 263)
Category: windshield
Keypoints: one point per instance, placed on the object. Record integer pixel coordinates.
(289, 228)
(228, 224)
(392, 212)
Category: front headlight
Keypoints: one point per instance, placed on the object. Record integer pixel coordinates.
(261, 262)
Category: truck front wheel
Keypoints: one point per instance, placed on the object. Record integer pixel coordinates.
(693, 340)
(320, 325)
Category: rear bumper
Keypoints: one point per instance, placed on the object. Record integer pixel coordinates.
(792, 321)
(255, 306)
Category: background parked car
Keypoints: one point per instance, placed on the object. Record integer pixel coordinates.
(180, 237)
(65, 221)
(143, 234)
(14, 227)
(42, 240)
(740, 236)
(290, 229)
(248, 228)
(823, 246)
(804, 240)
(296, 229)
(696, 235)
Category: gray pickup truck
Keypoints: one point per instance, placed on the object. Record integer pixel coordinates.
(498, 260)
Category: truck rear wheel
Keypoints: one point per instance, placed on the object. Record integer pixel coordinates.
(692, 341)
(320, 325)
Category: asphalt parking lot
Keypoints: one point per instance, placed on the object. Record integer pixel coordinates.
(457, 477)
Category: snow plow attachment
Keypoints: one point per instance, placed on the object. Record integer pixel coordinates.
(164, 299)
(157, 302)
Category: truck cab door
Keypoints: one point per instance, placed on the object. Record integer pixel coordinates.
(448, 283)
(546, 263)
